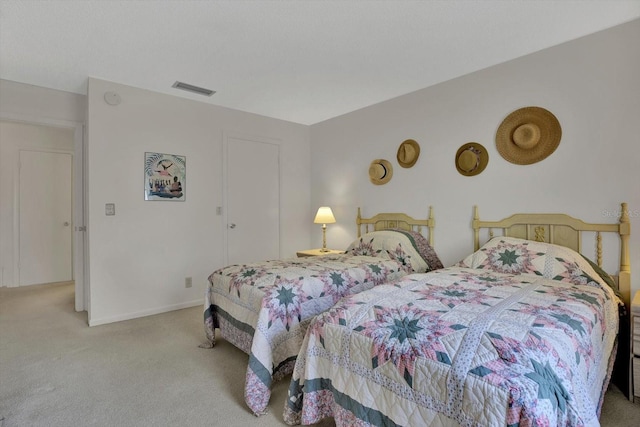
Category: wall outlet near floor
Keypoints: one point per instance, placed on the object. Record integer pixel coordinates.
(187, 282)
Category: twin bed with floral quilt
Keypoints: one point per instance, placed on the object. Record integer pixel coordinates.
(519, 333)
(264, 308)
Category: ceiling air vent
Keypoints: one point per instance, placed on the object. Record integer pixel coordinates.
(194, 89)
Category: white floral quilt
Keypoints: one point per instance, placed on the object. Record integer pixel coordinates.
(518, 334)
(264, 308)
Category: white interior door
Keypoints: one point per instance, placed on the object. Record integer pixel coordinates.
(45, 217)
(252, 200)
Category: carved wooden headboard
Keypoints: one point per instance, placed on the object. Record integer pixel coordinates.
(564, 230)
(383, 221)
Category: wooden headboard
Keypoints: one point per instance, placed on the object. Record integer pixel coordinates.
(383, 221)
(564, 230)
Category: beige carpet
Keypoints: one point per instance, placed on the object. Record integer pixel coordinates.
(56, 371)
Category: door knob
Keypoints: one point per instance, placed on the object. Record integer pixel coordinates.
(232, 226)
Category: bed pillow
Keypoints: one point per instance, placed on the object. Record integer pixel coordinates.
(409, 247)
(423, 247)
(519, 256)
(605, 277)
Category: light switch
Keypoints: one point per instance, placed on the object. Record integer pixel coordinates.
(110, 209)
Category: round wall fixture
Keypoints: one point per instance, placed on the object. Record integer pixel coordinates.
(112, 98)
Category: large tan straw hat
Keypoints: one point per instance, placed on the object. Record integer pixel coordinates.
(380, 171)
(408, 153)
(528, 135)
(471, 159)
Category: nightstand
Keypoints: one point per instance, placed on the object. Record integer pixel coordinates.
(635, 344)
(317, 252)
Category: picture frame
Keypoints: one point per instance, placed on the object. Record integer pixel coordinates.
(165, 177)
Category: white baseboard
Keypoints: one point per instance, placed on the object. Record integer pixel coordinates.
(150, 312)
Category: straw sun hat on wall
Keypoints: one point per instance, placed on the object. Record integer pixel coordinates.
(380, 171)
(471, 159)
(528, 135)
(408, 153)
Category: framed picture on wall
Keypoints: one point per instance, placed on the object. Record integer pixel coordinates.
(164, 177)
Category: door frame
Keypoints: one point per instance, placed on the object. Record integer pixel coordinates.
(226, 135)
(80, 246)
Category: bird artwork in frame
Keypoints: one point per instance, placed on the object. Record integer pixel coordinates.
(164, 176)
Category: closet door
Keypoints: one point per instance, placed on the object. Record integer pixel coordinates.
(252, 194)
(45, 232)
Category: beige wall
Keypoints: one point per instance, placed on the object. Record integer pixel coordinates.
(592, 85)
(140, 257)
(131, 271)
(28, 102)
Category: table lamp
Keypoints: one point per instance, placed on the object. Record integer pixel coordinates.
(324, 217)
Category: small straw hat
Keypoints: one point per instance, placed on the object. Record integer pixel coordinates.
(408, 153)
(380, 171)
(471, 159)
(528, 135)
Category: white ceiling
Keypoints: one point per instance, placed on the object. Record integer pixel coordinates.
(301, 61)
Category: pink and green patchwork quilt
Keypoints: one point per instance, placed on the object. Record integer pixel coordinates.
(518, 334)
(264, 308)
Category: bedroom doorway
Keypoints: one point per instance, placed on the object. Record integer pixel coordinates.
(252, 198)
(35, 152)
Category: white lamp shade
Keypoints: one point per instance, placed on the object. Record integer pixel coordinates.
(324, 216)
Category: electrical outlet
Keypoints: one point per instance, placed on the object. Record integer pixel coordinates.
(187, 282)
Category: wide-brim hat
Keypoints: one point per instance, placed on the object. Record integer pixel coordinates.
(528, 135)
(380, 171)
(471, 159)
(408, 153)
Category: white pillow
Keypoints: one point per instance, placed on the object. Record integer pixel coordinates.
(409, 248)
(519, 256)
